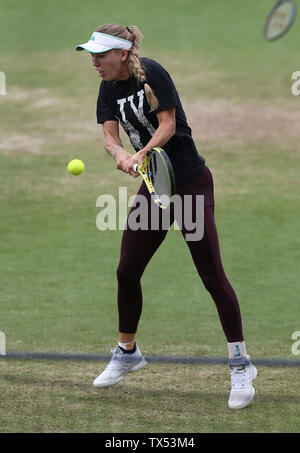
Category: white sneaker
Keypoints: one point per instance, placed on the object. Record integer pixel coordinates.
(242, 374)
(120, 364)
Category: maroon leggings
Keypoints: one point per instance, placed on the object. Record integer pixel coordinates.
(139, 246)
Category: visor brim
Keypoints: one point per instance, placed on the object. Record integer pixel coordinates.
(93, 47)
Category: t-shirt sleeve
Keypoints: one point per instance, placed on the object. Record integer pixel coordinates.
(162, 85)
(105, 111)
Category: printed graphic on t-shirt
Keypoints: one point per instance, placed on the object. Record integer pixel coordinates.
(130, 130)
(125, 101)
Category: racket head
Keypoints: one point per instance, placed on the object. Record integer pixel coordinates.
(280, 19)
(162, 176)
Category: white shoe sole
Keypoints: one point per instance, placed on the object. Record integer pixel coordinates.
(251, 396)
(137, 367)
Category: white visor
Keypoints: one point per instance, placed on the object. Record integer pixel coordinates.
(100, 42)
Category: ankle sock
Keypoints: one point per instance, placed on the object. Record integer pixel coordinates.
(127, 351)
(237, 350)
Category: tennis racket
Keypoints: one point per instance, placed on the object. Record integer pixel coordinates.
(280, 19)
(158, 174)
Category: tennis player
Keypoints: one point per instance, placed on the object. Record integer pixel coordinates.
(139, 94)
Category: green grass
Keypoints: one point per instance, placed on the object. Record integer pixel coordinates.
(55, 397)
(224, 38)
(58, 271)
(58, 397)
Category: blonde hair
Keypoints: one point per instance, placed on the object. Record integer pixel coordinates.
(133, 34)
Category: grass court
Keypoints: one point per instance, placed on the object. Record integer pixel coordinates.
(58, 271)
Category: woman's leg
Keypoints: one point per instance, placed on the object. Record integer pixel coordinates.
(137, 248)
(207, 258)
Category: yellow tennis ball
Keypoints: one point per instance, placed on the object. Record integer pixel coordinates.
(76, 167)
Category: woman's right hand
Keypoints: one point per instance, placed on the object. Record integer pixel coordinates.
(121, 160)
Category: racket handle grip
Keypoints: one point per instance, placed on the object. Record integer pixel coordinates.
(135, 167)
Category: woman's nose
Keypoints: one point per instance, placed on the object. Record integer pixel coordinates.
(94, 61)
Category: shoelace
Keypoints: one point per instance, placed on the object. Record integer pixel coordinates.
(116, 351)
(240, 378)
(115, 362)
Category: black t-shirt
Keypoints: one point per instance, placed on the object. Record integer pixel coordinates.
(125, 101)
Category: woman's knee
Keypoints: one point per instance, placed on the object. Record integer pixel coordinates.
(212, 282)
(127, 273)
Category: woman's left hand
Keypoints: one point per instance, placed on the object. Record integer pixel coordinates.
(137, 158)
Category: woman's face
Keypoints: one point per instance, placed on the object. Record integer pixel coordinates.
(111, 65)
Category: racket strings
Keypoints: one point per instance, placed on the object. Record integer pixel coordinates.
(160, 178)
(280, 19)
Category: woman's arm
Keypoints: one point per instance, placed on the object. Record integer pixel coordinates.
(166, 129)
(111, 136)
(114, 147)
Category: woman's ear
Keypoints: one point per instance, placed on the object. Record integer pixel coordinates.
(124, 54)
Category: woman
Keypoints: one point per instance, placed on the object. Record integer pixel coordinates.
(139, 94)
